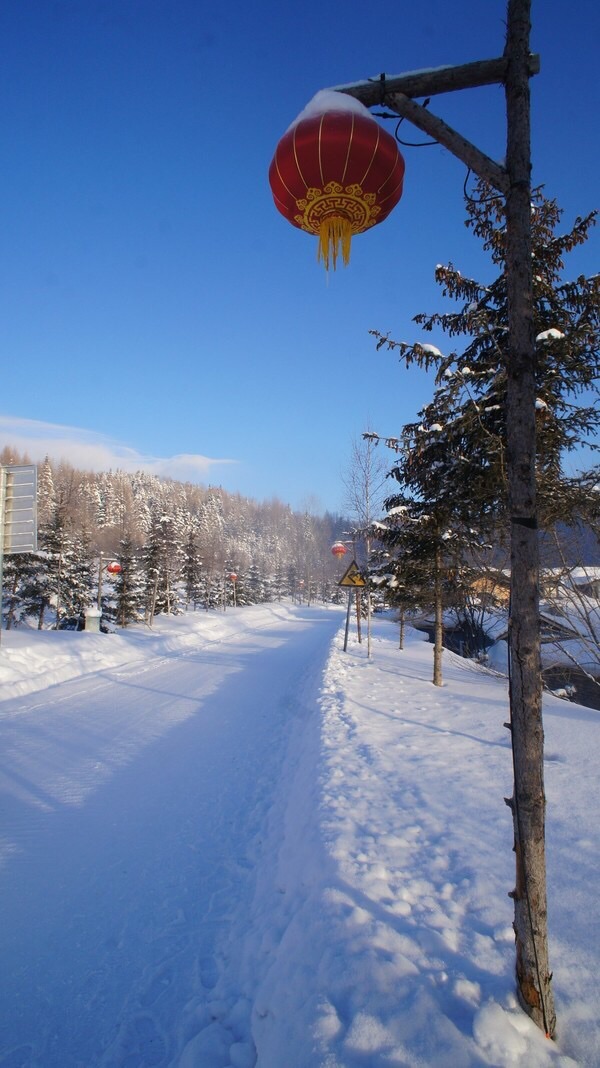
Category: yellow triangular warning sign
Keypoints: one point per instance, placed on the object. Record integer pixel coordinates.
(352, 576)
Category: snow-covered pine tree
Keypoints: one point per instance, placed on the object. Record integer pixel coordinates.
(79, 573)
(46, 581)
(46, 494)
(161, 560)
(192, 569)
(128, 584)
(254, 585)
(19, 572)
(426, 541)
(395, 577)
(211, 530)
(463, 429)
(470, 410)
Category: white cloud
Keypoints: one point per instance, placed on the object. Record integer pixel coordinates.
(91, 451)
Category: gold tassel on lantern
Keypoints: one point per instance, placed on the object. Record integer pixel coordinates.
(335, 236)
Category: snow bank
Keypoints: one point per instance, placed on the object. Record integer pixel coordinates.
(393, 929)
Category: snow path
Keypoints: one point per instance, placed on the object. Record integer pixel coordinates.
(137, 800)
(230, 844)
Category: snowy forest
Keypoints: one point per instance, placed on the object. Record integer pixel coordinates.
(177, 546)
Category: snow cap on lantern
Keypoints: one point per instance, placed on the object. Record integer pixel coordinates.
(336, 172)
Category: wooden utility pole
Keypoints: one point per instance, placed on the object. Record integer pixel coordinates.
(528, 803)
(513, 181)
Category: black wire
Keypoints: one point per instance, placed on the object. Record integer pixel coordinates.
(409, 144)
(412, 144)
(478, 200)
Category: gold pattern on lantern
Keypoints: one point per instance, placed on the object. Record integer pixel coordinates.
(335, 213)
(351, 203)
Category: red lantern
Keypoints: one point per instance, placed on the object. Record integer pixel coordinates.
(114, 568)
(232, 577)
(336, 173)
(339, 549)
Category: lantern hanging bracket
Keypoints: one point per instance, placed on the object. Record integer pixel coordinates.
(431, 82)
(398, 92)
(445, 135)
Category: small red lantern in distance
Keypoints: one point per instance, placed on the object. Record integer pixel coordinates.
(114, 568)
(336, 172)
(232, 576)
(339, 549)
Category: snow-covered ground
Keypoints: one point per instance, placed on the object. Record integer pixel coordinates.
(227, 843)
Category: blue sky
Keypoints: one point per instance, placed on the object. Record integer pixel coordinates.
(155, 309)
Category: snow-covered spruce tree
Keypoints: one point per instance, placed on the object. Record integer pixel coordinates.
(46, 494)
(79, 572)
(51, 575)
(63, 571)
(252, 586)
(396, 579)
(455, 455)
(191, 572)
(35, 589)
(470, 410)
(19, 574)
(128, 584)
(211, 529)
(461, 436)
(161, 567)
(426, 543)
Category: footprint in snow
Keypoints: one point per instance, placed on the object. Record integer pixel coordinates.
(156, 987)
(142, 1045)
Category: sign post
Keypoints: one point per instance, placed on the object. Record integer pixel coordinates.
(351, 580)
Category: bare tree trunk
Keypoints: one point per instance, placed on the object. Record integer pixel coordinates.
(152, 607)
(528, 801)
(59, 587)
(168, 591)
(401, 641)
(439, 622)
